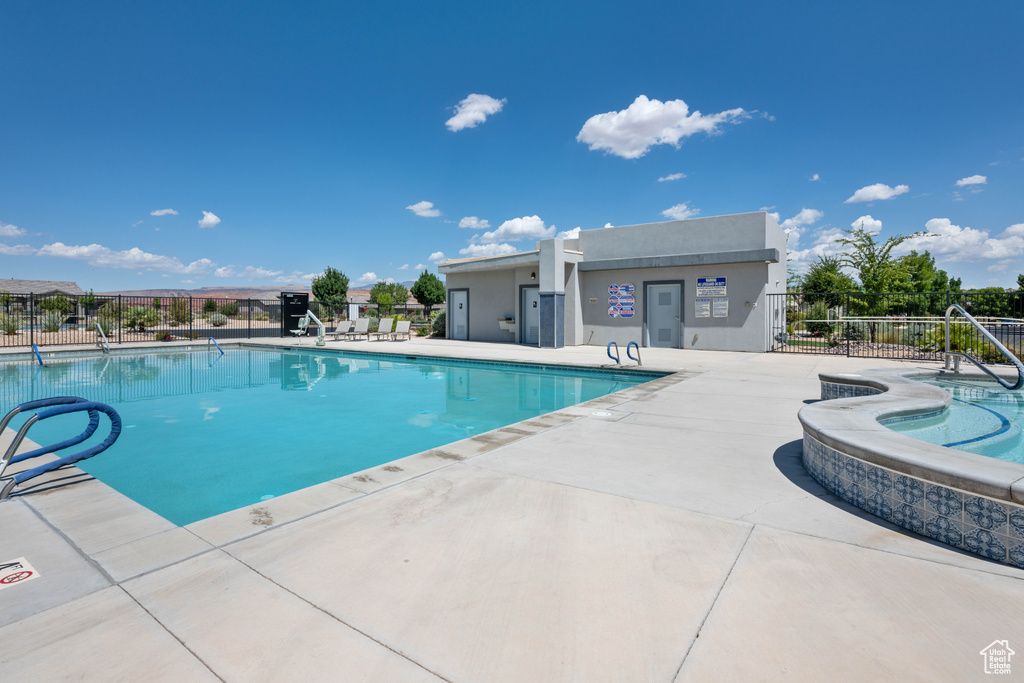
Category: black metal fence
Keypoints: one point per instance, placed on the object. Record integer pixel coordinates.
(905, 326)
(50, 320)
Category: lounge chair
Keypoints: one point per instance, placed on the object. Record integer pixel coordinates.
(384, 328)
(342, 329)
(362, 327)
(303, 325)
(401, 328)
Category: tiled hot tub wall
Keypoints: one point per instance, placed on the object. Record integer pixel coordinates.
(986, 527)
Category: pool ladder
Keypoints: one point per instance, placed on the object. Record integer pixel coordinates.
(60, 405)
(629, 346)
(955, 356)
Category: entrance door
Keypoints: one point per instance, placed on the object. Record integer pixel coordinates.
(663, 315)
(531, 315)
(460, 314)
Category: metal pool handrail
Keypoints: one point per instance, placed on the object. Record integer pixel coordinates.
(211, 339)
(102, 343)
(320, 329)
(957, 355)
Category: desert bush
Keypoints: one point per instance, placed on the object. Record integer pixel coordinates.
(179, 311)
(108, 325)
(374, 322)
(209, 306)
(229, 309)
(438, 325)
(163, 336)
(423, 331)
(52, 321)
(57, 304)
(9, 323)
(817, 314)
(218, 319)
(140, 317)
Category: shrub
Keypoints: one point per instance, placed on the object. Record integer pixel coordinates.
(164, 336)
(423, 331)
(209, 306)
(218, 320)
(818, 313)
(229, 309)
(57, 304)
(52, 322)
(437, 325)
(374, 322)
(179, 311)
(108, 325)
(140, 317)
(9, 323)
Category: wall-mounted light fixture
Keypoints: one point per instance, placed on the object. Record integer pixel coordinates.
(533, 276)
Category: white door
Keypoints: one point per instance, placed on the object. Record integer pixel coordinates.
(531, 315)
(663, 310)
(460, 315)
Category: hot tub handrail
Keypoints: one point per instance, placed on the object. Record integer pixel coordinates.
(957, 355)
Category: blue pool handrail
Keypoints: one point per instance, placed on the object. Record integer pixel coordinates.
(634, 345)
(211, 339)
(957, 355)
(38, 357)
(59, 405)
(616, 356)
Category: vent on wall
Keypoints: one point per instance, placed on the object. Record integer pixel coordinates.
(460, 331)
(534, 331)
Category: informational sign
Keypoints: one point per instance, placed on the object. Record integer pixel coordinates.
(702, 308)
(711, 286)
(720, 307)
(621, 303)
(15, 572)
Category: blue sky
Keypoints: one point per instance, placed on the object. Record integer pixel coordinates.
(287, 137)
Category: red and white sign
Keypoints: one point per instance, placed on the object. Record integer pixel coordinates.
(15, 572)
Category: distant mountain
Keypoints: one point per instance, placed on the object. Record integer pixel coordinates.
(354, 295)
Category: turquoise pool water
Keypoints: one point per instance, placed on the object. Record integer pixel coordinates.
(983, 418)
(204, 433)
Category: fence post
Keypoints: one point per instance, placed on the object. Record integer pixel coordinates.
(846, 325)
(947, 299)
(190, 315)
(118, 318)
(31, 318)
(248, 315)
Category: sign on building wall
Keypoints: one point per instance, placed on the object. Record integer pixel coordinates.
(720, 308)
(711, 286)
(621, 303)
(702, 308)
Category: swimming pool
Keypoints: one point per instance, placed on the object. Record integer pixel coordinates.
(983, 418)
(205, 433)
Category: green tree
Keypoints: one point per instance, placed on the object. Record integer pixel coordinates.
(388, 294)
(428, 290)
(210, 306)
(330, 287)
(57, 304)
(826, 277)
(1020, 282)
(925, 277)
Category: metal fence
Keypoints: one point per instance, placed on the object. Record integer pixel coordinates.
(52, 320)
(905, 326)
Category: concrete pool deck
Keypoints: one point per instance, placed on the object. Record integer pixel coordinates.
(666, 535)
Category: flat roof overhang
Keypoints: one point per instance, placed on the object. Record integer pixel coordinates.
(666, 261)
(509, 261)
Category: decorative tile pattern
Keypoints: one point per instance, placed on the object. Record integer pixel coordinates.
(831, 390)
(986, 527)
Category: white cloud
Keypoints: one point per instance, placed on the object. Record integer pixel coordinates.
(673, 176)
(472, 111)
(876, 192)
(774, 214)
(17, 250)
(425, 209)
(815, 177)
(608, 225)
(437, 257)
(805, 217)
(420, 266)
(367, 277)
(972, 180)
(568, 234)
(405, 267)
(872, 225)
(967, 244)
(824, 245)
(135, 258)
(249, 272)
(164, 212)
(630, 133)
(296, 277)
(527, 227)
(487, 250)
(679, 212)
(208, 220)
(136, 224)
(8, 230)
(474, 222)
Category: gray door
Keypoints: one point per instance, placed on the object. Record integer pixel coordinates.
(663, 315)
(531, 315)
(460, 314)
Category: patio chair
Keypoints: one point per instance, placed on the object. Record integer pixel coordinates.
(342, 329)
(401, 328)
(362, 327)
(303, 325)
(384, 328)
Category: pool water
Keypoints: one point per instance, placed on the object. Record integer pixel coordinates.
(983, 418)
(205, 433)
